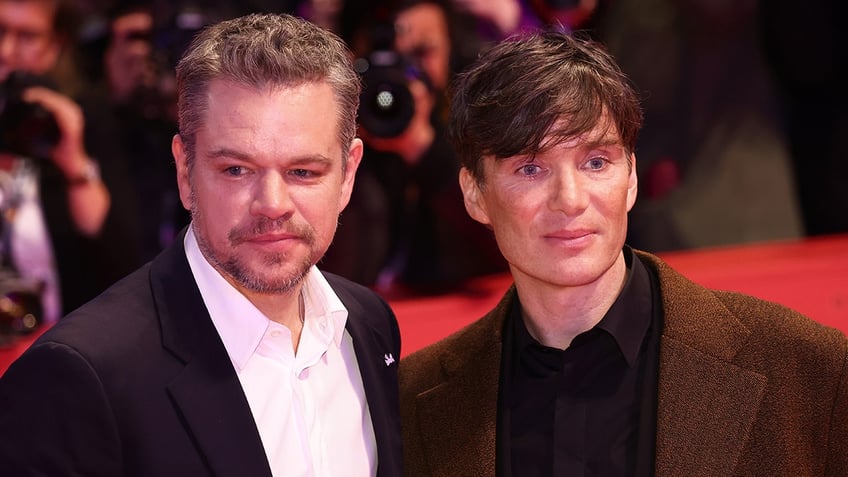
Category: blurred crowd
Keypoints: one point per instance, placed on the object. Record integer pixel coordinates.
(744, 113)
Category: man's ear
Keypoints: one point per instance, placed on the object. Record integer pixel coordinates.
(183, 182)
(472, 196)
(632, 183)
(354, 158)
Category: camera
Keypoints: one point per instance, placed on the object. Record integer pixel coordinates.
(26, 129)
(386, 105)
(20, 306)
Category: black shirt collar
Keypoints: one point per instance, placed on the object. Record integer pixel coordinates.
(627, 320)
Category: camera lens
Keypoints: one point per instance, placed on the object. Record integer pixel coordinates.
(26, 129)
(386, 105)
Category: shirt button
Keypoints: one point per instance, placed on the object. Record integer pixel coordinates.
(275, 334)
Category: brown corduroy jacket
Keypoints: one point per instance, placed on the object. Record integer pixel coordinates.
(746, 388)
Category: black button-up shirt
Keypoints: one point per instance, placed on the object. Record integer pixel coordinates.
(588, 410)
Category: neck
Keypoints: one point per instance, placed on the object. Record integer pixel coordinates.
(554, 315)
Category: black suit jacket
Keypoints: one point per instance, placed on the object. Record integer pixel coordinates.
(137, 382)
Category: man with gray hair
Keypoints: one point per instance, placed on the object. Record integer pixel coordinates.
(230, 354)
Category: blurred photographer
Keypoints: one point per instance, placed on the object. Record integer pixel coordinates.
(406, 230)
(132, 56)
(57, 211)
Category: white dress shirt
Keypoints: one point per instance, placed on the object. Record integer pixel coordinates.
(310, 407)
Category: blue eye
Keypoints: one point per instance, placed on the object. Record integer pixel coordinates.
(529, 169)
(596, 163)
(234, 171)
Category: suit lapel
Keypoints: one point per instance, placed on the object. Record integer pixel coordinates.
(706, 404)
(464, 443)
(207, 393)
(705, 412)
(381, 393)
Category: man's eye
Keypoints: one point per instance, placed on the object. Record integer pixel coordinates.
(302, 173)
(596, 163)
(529, 169)
(234, 171)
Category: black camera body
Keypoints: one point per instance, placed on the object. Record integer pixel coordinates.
(386, 105)
(26, 129)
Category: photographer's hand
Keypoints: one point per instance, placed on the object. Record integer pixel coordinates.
(88, 199)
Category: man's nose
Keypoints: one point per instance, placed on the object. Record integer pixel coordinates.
(272, 197)
(568, 193)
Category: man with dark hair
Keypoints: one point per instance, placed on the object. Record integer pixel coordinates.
(230, 354)
(602, 360)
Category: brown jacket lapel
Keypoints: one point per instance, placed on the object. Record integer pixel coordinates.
(707, 405)
(453, 419)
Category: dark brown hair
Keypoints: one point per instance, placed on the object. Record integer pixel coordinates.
(511, 100)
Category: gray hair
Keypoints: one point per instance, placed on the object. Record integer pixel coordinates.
(261, 50)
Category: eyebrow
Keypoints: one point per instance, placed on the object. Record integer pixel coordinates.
(312, 159)
(226, 152)
(606, 140)
(242, 156)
